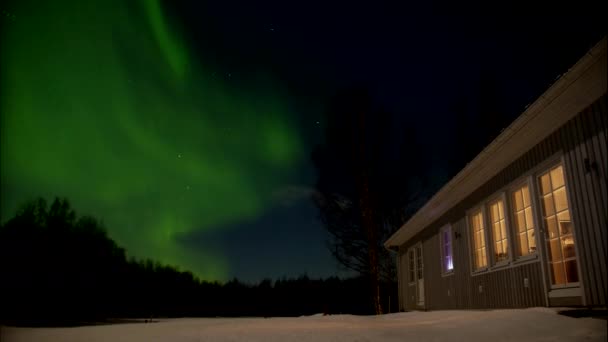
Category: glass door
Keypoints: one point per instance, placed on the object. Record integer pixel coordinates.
(559, 230)
(419, 275)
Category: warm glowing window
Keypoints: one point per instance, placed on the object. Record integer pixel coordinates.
(479, 240)
(523, 221)
(499, 230)
(447, 258)
(559, 228)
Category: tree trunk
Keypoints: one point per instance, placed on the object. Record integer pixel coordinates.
(367, 219)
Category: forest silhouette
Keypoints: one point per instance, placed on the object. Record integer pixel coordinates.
(60, 269)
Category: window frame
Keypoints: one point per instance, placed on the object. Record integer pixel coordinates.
(532, 191)
(411, 270)
(471, 238)
(500, 196)
(442, 243)
(540, 171)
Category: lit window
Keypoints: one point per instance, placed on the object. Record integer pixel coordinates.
(523, 221)
(480, 259)
(499, 230)
(447, 258)
(556, 218)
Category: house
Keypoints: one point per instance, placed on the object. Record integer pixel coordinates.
(525, 222)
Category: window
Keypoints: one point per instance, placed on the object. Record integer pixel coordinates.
(412, 266)
(523, 221)
(559, 228)
(479, 240)
(499, 230)
(447, 259)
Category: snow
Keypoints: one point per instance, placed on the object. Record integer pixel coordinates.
(534, 324)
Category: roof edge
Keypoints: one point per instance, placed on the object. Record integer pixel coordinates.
(587, 71)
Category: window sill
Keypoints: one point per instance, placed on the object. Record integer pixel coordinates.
(526, 258)
(447, 274)
(572, 291)
(500, 265)
(479, 271)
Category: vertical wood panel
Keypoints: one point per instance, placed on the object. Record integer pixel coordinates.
(579, 215)
(582, 137)
(599, 190)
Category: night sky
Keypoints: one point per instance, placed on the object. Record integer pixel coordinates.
(188, 126)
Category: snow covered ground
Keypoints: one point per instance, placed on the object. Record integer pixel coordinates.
(535, 324)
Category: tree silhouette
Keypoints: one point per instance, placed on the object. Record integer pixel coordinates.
(358, 186)
(61, 269)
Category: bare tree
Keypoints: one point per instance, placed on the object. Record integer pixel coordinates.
(352, 184)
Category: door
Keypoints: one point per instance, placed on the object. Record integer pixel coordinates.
(416, 273)
(419, 276)
(559, 232)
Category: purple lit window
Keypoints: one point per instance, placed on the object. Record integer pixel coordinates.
(447, 259)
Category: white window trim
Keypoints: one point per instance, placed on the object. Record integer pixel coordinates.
(471, 241)
(492, 264)
(549, 165)
(411, 281)
(444, 272)
(516, 185)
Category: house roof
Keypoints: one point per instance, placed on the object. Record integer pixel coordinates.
(574, 91)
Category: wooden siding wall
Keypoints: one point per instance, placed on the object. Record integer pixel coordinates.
(583, 137)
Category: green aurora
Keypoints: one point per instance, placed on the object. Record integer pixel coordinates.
(104, 103)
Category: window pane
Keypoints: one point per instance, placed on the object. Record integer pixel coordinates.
(529, 219)
(503, 229)
(531, 241)
(564, 215)
(557, 273)
(568, 247)
(551, 227)
(523, 244)
(561, 202)
(545, 184)
(571, 271)
(501, 209)
(517, 200)
(554, 250)
(520, 222)
(565, 225)
(526, 196)
(494, 213)
(548, 209)
(557, 177)
(496, 230)
(501, 251)
(484, 260)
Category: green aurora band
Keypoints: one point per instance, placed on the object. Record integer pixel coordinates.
(103, 103)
